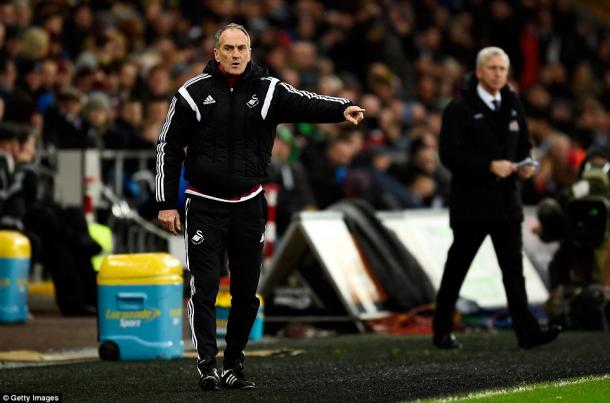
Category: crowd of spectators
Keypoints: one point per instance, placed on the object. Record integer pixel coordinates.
(100, 74)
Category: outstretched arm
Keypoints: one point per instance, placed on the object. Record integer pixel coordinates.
(287, 104)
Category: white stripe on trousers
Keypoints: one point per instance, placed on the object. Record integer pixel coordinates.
(190, 305)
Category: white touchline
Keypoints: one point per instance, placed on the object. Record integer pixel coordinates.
(496, 392)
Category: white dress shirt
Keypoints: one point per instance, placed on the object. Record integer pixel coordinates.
(488, 98)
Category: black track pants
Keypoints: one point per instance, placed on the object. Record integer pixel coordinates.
(214, 228)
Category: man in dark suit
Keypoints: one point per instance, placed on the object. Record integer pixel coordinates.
(484, 133)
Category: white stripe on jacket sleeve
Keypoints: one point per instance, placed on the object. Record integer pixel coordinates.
(184, 92)
(311, 95)
(269, 97)
(160, 188)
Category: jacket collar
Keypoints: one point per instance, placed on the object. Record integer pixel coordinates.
(253, 71)
(468, 90)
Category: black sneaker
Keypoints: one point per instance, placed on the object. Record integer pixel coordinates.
(234, 379)
(209, 380)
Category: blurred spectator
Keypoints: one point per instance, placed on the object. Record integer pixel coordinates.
(128, 78)
(53, 23)
(59, 236)
(328, 169)
(427, 91)
(537, 101)
(23, 102)
(125, 133)
(34, 44)
(48, 72)
(555, 79)
(593, 124)
(373, 182)
(78, 28)
(128, 133)
(86, 77)
(8, 77)
(303, 57)
(11, 202)
(558, 167)
(97, 114)
(64, 127)
(150, 133)
(425, 174)
(382, 82)
(157, 85)
(294, 193)
(422, 188)
(390, 128)
(156, 110)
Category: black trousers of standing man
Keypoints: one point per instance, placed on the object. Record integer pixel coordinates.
(212, 229)
(506, 239)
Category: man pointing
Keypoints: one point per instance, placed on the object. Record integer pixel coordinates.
(221, 124)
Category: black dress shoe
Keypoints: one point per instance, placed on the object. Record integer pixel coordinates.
(446, 342)
(539, 337)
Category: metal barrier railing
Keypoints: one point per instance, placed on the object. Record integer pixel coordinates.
(118, 157)
(131, 232)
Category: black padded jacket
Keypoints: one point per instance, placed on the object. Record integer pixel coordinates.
(225, 135)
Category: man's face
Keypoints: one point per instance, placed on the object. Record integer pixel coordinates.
(132, 113)
(72, 106)
(233, 53)
(493, 73)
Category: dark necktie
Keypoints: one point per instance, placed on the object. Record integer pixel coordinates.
(496, 104)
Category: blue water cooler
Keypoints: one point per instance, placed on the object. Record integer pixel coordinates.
(140, 307)
(14, 272)
(223, 306)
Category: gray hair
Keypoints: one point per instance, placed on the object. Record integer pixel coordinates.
(490, 51)
(226, 27)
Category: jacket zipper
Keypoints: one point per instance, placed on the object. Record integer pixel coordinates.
(230, 131)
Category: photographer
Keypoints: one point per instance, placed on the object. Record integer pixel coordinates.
(578, 272)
